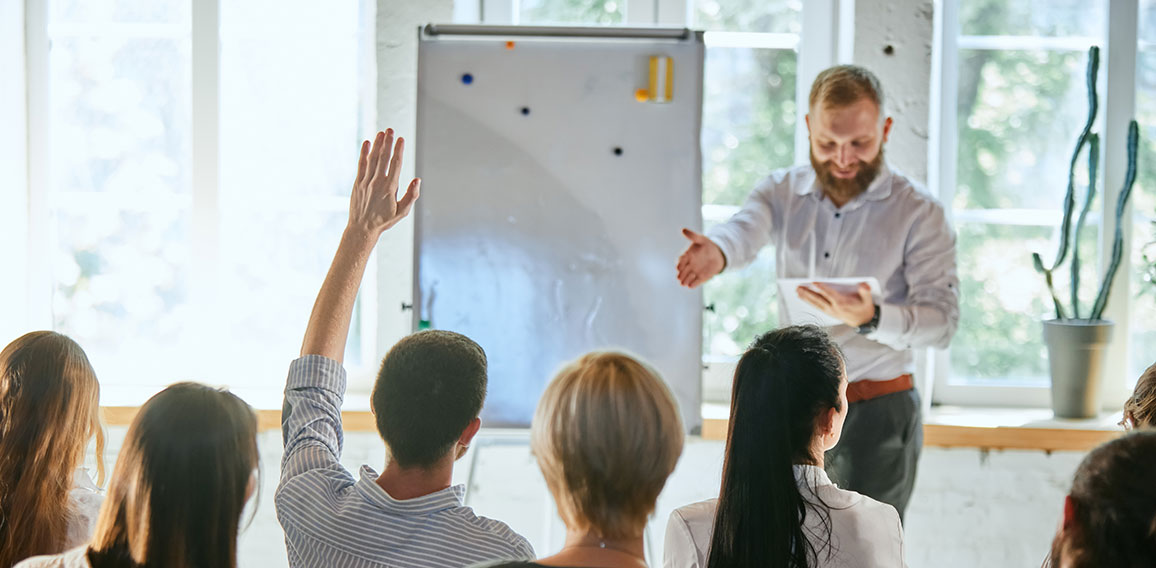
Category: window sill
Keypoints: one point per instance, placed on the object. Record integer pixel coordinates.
(985, 428)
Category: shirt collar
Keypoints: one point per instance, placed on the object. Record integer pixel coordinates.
(447, 498)
(879, 189)
(811, 476)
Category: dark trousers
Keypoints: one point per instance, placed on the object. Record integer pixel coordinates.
(879, 450)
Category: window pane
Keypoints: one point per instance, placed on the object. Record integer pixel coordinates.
(289, 108)
(290, 133)
(572, 11)
(1142, 315)
(119, 11)
(1020, 113)
(272, 266)
(761, 16)
(745, 306)
(122, 291)
(120, 114)
(1002, 300)
(1033, 17)
(748, 122)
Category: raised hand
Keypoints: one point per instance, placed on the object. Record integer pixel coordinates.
(373, 205)
(852, 309)
(701, 260)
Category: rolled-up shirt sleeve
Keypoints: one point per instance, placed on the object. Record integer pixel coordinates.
(749, 230)
(929, 316)
(311, 415)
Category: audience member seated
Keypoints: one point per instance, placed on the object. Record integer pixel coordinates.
(1110, 515)
(426, 401)
(606, 435)
(49, 412)
(777, 508)
(187, 467)
(1140, 408)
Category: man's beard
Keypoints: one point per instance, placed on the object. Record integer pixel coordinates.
(846, 189)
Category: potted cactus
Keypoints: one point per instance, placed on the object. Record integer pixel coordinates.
(1076, 340)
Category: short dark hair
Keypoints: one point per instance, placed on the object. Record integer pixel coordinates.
(430, 386)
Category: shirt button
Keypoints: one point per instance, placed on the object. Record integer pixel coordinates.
(826, 255)
(837, 215)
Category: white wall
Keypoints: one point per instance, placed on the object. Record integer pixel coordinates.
(894, 40)
(13, 173)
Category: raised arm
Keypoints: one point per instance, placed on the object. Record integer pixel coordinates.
(373, 208)
(311, 415)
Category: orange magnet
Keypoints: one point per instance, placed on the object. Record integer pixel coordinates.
(642, 95)
(509, 45)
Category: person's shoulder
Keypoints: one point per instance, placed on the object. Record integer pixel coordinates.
(912, 192)
(318, 490)
(75, 558)
(508, 564)
(860, 510)
(495, 531)
(787, 179)
(702, 510)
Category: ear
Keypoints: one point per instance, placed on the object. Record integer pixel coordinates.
(468, 434)
(1069, 513)
(807, 119)
(886, 129)
(827, 424)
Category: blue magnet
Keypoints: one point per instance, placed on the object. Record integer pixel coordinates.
(525, 111)
(467, 79)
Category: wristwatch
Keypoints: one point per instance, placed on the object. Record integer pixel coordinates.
(872, 325)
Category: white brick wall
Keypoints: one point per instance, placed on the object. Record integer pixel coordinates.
(970, 508)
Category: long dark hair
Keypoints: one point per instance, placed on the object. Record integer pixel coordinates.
(782, 384)
(180, 483)
(1114, 507)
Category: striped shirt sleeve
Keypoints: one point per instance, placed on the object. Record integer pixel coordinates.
(311, 416)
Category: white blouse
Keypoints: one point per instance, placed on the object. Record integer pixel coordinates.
(864, 532)
(86, 499)
(75, 558)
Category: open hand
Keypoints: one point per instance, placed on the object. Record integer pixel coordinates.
(373, 205)
(852, 309)
(701, 261)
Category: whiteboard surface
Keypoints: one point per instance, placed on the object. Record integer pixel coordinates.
(533, 236)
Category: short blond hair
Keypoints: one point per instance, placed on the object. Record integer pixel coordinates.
(844, 85)
(607, 434)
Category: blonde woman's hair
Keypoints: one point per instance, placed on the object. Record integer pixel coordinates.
(1140, 408)
(49, 411)
(180, 483)
(606, 434)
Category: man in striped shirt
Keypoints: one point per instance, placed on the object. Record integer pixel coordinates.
(426, 401)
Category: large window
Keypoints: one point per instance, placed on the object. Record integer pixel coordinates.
(188, 207)
(1013, 102)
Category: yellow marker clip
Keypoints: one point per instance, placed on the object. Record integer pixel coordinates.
(661, 79)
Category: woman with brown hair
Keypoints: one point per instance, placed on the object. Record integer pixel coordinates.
(1140, 408)
(49, 412)
(185, 472)
(606, 434)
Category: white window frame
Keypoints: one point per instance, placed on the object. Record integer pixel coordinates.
(32, 302)
(1118, 59)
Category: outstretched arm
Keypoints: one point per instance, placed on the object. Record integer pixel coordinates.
(373, 208)
(311, 416)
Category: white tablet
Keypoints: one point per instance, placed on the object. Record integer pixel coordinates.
(799, 312)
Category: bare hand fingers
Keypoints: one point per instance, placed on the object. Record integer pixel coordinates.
(362, 162)
(386, 147)
(394, 174)
(374, 155)
(407, 200)
(808, 295)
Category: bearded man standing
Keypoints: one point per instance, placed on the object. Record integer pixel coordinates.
(847, 214)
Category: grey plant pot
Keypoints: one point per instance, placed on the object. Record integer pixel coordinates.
(1077, 353)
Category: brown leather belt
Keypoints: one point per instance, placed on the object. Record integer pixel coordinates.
(859, 391)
